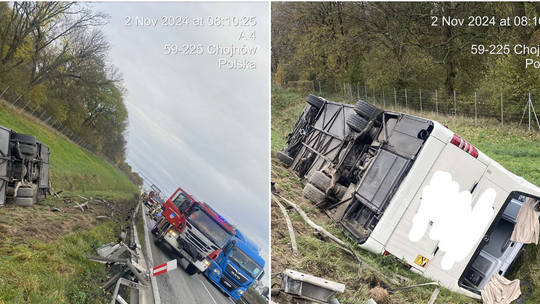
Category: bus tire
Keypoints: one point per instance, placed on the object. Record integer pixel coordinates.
(313, 194)
(315, 101)
(365, 109)
(356, 123)
(284, 158)
(24, 138)
(20, 201)
(320, 180)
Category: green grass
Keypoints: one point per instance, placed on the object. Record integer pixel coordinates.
(139, 222)
(516, 150)
(71, 168)
(34, 271)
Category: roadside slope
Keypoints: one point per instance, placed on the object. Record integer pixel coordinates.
(43, 253)
(71, 167)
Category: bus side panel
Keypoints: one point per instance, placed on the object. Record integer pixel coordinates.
(466, 171)
(408, 189)
(458, 267)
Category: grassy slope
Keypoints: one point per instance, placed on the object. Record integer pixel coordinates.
(43, 254)
(516, 150)
(72, 168)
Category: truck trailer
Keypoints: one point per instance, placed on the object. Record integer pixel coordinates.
(24, 168)
(235, 270)
(192, 230)
(410, 187)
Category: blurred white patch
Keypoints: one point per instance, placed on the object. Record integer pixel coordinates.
(456, 225)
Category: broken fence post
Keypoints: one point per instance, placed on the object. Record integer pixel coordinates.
(289, 224)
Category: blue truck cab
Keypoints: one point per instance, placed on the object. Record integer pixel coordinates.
(236, 270)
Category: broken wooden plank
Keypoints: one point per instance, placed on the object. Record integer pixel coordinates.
(289, 225)
(318, 228)
(345, 246)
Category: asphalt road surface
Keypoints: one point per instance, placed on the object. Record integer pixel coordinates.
(176, 286)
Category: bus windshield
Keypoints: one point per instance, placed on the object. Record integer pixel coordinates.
(247, 264)
(212, 230)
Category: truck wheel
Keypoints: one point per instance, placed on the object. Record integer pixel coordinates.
(158, 240)
(365, 109)
(315, 101)
(20, 201)
(320, 180)
(284, 158)
(356, 123)
(28, 150)
(24, 138)
(191, 269)
(313, 194)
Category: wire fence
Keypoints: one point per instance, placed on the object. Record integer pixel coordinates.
(30, 109)
(518, 110)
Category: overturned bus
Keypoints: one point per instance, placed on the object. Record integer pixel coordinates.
(410, 187)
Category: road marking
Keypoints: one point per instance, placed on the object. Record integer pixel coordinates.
(150, 261)
(208, 291)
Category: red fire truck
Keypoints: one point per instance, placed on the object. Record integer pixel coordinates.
(193, 230)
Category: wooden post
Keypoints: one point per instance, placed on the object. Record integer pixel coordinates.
(475, 111)
(406, 102)
(455, 104)
(502, 112)
(420, 101)
(395, 98)
(437, 102)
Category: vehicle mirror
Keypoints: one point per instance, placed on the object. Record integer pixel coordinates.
(163, 208)
(229, 247)
(260, 276)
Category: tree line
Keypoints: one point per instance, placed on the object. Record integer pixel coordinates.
(406, 45)
(56, 54)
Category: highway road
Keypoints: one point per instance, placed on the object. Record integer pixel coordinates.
(176, 286)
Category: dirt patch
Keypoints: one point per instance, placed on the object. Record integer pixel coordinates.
(40, 222)
(380, 295)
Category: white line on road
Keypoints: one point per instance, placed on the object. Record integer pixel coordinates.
(228, 298)
(150, 261)
(207, 290)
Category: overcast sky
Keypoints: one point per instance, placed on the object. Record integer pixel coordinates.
(192, 124)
